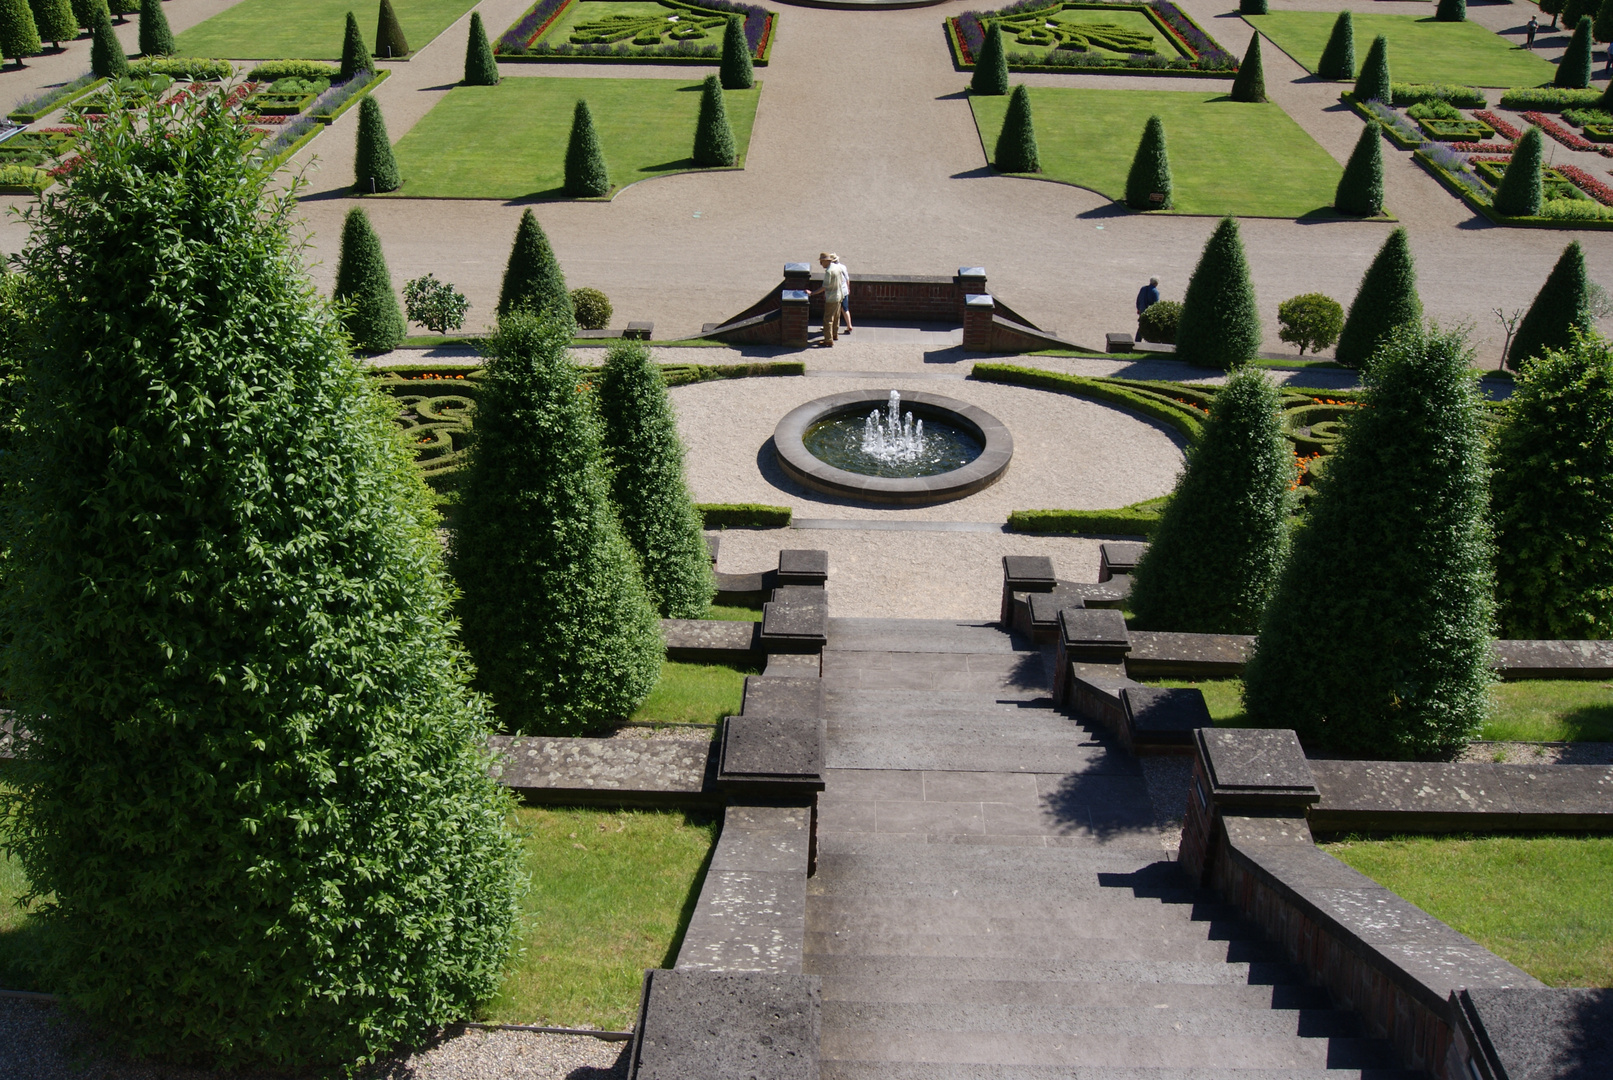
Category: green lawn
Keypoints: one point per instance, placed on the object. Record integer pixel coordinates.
(1420, 49)
(728, 613)
(694, 694)
(1539, 901)
(509, 141)
(309, 29)
(1227, 157)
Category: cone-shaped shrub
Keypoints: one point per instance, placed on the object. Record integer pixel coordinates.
(1373, 83)
(1016, 142)
(84, 13)
(736, 70)
(107, 60)
(991, 66)
(1386, 300)
(1574, 69)
(19, 37)
(1150, 169)
(1562, 305)
(389, 39)
(1338, 58)
(1220, 324)
(1250, 82)
(156, 39)
(581, 646)
(1451, 11)
(355, 55)
(1360, 190)
(1602, 28)
(374, 321)
(1552, 504)
(1394, 561)
(532, 278)
(645, 457)
(230, 634)
(1522, 187)
(1253, 7)
(1574, 10)
(374, 167)
(586, 174)
(1214, 558)
(481, 69)
(713, 137)
(54, 20)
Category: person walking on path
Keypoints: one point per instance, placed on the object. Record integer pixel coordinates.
(845, 300)
(1147, 297)
(1607, 69)
(1533, 28)
(834, 294)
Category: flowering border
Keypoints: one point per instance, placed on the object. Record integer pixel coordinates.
(1571, 139)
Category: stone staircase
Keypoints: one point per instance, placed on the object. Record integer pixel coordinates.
(994, 899)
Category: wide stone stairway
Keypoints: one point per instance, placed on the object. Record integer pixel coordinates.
(994, 899)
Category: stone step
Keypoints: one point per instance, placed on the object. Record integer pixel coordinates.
(967, 745)
(924, 1070)
(1172, 997)
(976, 893)
(827, 910)
(923, 636)
(1031, 946)
(1004, 1018)
(1039, 873)
(1054, 969)
(1074, 922)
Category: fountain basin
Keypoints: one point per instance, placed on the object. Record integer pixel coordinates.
(975, 424)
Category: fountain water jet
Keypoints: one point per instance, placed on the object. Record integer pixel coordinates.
(893, 438)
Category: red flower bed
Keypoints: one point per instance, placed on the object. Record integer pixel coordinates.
(1571, 139)
(1478, 148)
(1587, 183)
(266, 119)
(1502, 128)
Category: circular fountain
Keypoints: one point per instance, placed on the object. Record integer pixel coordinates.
(920, 448)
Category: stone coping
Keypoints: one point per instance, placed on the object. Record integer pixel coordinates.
(1395, 796)
(618, 772)
(1527, 1034)
(982, 472)
(702, 1025)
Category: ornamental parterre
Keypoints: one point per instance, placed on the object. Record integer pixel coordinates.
(1127, 44)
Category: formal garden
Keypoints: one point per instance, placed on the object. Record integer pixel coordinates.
(1128, 38)
(1421, 49)
(663, 31)
(310, 29)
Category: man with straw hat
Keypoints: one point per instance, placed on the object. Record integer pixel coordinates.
(834, 294)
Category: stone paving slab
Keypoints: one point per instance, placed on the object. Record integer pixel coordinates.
(752, 908)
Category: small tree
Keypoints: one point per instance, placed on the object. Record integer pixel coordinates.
(120, 8)
(1360, 190)
(436, 305)
(1574, 10)
(991, 66)
(1016, 142)
(55, 21)
(586, 174)
(592, 308)
(355, 55)
(1451, 11)
(364, 283)
(1159, 322)
(645, 456)
(1150, 169)
(1250, 82)
(582, 647)
(1310, 320)
(532, 278)
(106, 53)
(1253, 7)
(84, 12)
(1220, 324)
(389, 39)
(374, 167)
(714, 146)
(156, 39)
(1373, 82)
(481, 69)
(1521, 187)
(1602, 28)
(1562, 307)
(19, 37)
(1574, 69)
(1552, 503)
(1394, 563)
(1338, 58)
(1386, 300)
(736, 70)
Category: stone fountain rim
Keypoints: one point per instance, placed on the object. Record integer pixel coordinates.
(800, 465)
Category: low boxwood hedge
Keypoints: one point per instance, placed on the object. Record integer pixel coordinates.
(192, 68)
(273, 70)
(1463, 97)
(1138, 519)
(743, 515)
(1549, 99)
(1139, 397)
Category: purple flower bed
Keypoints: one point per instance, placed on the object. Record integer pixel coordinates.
(515, 38)
(1208, 56)
(334, 98)
(287, 134)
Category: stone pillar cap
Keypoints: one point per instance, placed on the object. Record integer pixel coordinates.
(797, 268)
(793, 296)
(971, 271)
(979, 300)
(1257, 765)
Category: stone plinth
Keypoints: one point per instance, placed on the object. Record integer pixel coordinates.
(795, 620)
(708, 1025)
(1118, 557)
(1161, 720)
(800, 566)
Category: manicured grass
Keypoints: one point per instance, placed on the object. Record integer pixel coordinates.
(1420, 49)
(728, 613)
(309, 29)
(1539, 901)
(509, 141)
(611, 894)
(694, 694)
(1223, 696)
(1227, 157)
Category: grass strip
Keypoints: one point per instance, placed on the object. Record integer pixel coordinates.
(696, 693)
(1421, 50)
(308, 29)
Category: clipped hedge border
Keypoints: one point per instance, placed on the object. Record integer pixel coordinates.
(1152, 404)
(744, 515)
(193, 68)
(1548, 99)
(1463, 97)
(320, 123)
(50, 105)
(1139, 519)
(684, 374)
(1483, 206)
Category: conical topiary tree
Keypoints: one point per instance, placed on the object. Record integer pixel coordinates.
(1360, 190)
(736, 70)
(106, 53)
(19, 37)
(229, 632)
(1562, 306)
(991, 66)
(1451, 11)
(1602, 28)
(1373, 82)
(1549, 493)
(1574, 10)
(713, 138)
(84, 12)
(156, 39)
(1220, 324)
(582, 647)
(1394, 560)
(389, 39)
(1338, 58)
(586, 174)
(1150, 169)
(374, 167)
(1387, 299)
(54, 21)
(532, 278)
(645, 457)
(481, 69)
(355, 54)
(1250, 82)
(1522, 185)
(1574, 69)
(1221, 540)
(1016, 142)
(374, 321)
(1253, 7)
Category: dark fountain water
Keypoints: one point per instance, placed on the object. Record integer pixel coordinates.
(891, 444)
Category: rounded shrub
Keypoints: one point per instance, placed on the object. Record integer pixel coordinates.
(1338, 57)
(19, 37)
(156, 39)
(436, 305)
(991, 66)
(1150, 173)
(1451, 11)
(713, 137)
(582, 646)
(586, 174)
(1253, 7)
(1159, 322)
(355, 55)
(736, 70)
(107, 59)
(592, 308)
(481, 69)
(1376, 641)
(389, 39)
(1574, 68)
(1373, 82)
(374, 167)
(1016, 142)
(252, 791)
(1214, 557)
(1360, 190)
(54, 21)
(1522, 188)
(532, 277)
(1311, 321)
(1562, 306)
(364, 283)
(1386, 300)
(1220, 325)
(1250, 82)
